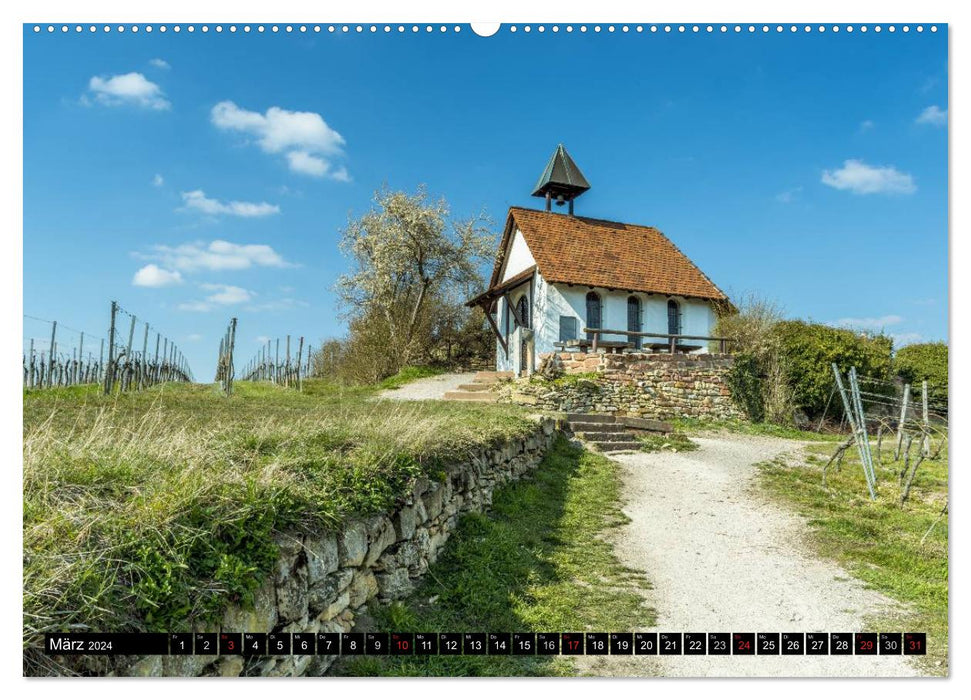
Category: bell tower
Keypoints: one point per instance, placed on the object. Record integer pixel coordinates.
(561, 180)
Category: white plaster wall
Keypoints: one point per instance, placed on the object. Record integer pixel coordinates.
(697, 317)
(519, 257)
(510, 361)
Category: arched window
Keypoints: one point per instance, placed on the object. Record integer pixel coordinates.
(674, 318)
(522, 308)
(594, 312)
(634, 320)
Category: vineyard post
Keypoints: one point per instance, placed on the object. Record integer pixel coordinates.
(101, 361)
(900, 424)
(300, 365)
(155, 375)
(50, 355)
(126, 381)
(276, 363)
(109, 368)
(269, 354)
(229, 365)
(79, 373)
(30, 373)
(162, 376)
(219, 362)
(287, 370)
(143, 365)
(926, 442)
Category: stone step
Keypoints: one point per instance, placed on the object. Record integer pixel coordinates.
(475, 387)
(600, 435)
(483, 396)
(579, 427)
(618, 446)
(590, 418)
(491, 376)
(656, 426)
(611, 437)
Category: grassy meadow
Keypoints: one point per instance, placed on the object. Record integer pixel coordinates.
(899, 550)
(539, 561)
(152, 509)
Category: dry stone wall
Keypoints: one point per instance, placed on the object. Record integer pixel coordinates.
(323, 581)
(647, 385)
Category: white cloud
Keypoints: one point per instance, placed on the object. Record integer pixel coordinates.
(789, 195)
(130, 88)
(870, 323)
(308, 143)
(223, 295)
(278, 305)
(198, 201)
(933, 115)
(303, 162)
(860, 178)
(154, 276)
(158, 180)
(160, 63)
(216, 255)
(901, 339)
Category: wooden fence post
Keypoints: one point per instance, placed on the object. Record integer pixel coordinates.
(229, 364)
(299, 365)
(109, 368)
(51, 354)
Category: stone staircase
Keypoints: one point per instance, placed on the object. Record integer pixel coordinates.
(612, 433)
(481, 388)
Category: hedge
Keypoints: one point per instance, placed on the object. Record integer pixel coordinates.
(810, 349)
(915, 363)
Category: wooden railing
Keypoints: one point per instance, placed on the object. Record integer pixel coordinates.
(673, 339)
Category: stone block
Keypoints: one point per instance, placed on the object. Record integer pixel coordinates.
(353, 544)
(433, 503)
(229, 666)
(363, 587)
(324, 593)
(334, 607)
(291, 595)
(394, 584)
(381, 536)
(323, 556)
(405, 522)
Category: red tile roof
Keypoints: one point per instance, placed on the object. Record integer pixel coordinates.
(609, 254)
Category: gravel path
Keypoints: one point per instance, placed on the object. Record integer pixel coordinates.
(723, 559)
(429, 387)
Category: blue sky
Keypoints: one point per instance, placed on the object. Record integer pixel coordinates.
(198, 177)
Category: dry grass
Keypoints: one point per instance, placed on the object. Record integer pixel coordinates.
(152, 510)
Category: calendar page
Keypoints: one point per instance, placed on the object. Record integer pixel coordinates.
(548, 348)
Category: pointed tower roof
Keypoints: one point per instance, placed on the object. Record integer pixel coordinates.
(561, 177)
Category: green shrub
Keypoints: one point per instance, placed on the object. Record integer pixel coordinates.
(915, 363)
(745, 382)
(752, 338)
(810, 350)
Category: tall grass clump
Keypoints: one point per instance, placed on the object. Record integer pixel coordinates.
(154, 510)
